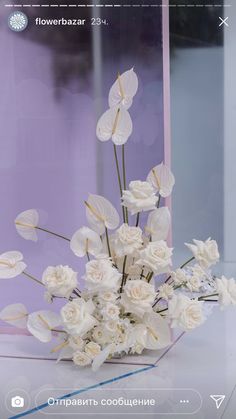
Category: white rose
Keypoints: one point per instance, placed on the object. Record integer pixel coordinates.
(107, 296)
(110, 311)
(100, 335)
(76, 316)
(140, 197)
(185, 313)
(92, 349)
(193, 284)
(128, 239)
(101, 275)
(81, 359)
(156, 256)
(226, 289)
(166, 292)
(59, 280)
(179, 276)
(137, 297)
(76, 343)
(206, 253)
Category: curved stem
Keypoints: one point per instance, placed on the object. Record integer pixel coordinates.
(119, 178)
(32, 277)
(108, 244)
(124, 179)
(54, 234)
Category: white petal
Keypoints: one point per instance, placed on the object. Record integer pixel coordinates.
(85, 241)
(15, 314)
(25, 224)
(158, 331)
(158, 224)
(40, 324)
(100, 212)
(115, 124)
(101, 357)
(124, 89)
(162, 179)
(11, 264)
(65, 353)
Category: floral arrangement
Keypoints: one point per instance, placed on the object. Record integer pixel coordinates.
(118, 309)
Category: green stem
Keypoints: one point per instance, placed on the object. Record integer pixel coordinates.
(159, 201)
(137, 219)
(123, 274)
(182, 266)
(119, 178)
(207, 296)
(108, 244)
(54, 234)
(33, 278)
(124, 179)
(88, 257)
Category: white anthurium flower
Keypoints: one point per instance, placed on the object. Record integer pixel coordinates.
(226, 289)
(158, 334)
(206, 253)
(162, 179)
(11, 264)
(85, 241)
(140, 196)
(158, 224)
(26, 223)
(65, 353)
(60, 280)
(124, 89)
(101, 214)
(116, 125)
(185, 312)
(41, 323)
(77, 316)
(101, 357)
(127, 240)
(137, 297)
(15, 314)
(156, 256)
(102, 276)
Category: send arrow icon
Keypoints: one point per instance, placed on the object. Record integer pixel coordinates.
(218, 399)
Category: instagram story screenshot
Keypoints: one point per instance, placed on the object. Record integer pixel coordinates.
(117, 210)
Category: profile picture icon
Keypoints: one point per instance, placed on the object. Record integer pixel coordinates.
(17, 21)
(17, 401)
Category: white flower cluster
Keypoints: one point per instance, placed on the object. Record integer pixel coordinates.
(120, 310)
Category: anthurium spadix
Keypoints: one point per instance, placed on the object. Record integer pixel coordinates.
(15, 314)
(26, 223)
(124, 89)
(158, 224)
(85, 241)
(41, 323)
(11, 264)
(116, 125)
(101, 214)
(162, 179)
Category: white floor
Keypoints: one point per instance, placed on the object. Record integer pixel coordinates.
(199, 364)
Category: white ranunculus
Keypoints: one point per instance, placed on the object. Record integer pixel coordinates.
(141, 196)
(85, 241)
(206, 253)
(81, 359)
(100, 335)
(193, 284)
(92, 349)
(76, 342)
(110, 311)
(11, 264)
(156, 256)
(128, 239)
(166, 292)
(137, 297)
(226, 289)
(158, 224)
(77, 316)
(41, 323)
(185, 313)
(101, 275)
(26, 223)
(15, 314)
(59, 280)
(124, 89)
(162, 179)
